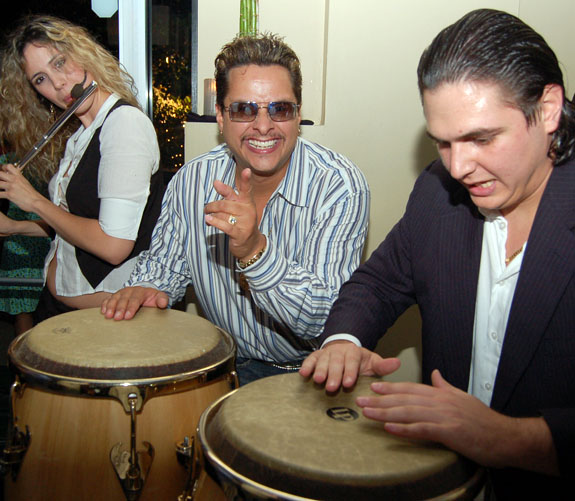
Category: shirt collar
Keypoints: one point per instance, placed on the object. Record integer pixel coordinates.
(293, 187)
(100, 116)
(489, 214)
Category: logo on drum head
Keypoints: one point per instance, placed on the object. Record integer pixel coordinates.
(342, 413)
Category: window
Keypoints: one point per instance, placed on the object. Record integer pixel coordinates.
(171, 60)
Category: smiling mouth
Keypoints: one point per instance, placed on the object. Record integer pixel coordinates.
(486, 184)
(261, 144)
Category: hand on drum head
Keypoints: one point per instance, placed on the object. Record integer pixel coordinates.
(125, 303)
(340, 362)
(443, 413)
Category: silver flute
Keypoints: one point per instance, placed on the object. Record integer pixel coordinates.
(81, 95)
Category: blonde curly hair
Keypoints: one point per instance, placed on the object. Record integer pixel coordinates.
(25, 115)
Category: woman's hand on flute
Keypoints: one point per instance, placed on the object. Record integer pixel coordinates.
(16, 188)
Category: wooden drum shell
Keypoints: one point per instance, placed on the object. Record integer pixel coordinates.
(69, 453)
(74, 423)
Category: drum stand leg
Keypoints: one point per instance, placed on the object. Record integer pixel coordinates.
(132, 467)
(17, 441)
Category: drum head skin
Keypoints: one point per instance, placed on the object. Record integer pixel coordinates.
(288, 434)
(155, 343)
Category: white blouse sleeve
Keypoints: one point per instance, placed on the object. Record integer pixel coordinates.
(129, 156)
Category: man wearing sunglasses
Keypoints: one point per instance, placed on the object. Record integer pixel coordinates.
(266, 226)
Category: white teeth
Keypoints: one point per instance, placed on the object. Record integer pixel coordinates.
(262, 145)
(486, 184)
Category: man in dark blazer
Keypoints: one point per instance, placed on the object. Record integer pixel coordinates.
(486, 248)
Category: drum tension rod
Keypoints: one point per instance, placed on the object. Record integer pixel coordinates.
(186, 454)
(132, 467)
(17, 441)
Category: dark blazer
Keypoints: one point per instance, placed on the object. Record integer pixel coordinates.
(432, 257)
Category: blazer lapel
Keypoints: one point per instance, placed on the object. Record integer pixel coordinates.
(459, 272)
(548, 265)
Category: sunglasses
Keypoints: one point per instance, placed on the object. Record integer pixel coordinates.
(280, 111)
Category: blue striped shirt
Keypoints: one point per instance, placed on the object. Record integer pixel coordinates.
(315, 224)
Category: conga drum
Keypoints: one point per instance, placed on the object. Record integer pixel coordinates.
(108, 410)
(283, 437)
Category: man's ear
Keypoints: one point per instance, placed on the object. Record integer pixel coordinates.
(551, 107)
(219, 118)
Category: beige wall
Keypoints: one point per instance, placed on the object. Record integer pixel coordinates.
(362, 57)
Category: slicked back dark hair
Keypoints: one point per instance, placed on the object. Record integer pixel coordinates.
(496, 47)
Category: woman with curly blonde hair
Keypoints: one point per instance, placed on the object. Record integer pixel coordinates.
(106, 194)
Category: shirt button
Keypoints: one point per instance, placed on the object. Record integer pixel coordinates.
(488, 386)
(494, 336)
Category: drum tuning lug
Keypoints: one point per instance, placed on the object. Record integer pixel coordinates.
(185, 451)
(17, 441)
(186, 454)
(132, 474)
(233, 380)
(128, 396)
(132, 467)
(14, 452)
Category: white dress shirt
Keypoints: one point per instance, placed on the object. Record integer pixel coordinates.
(495, 290)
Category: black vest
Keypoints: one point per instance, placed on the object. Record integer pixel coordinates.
(82, 199)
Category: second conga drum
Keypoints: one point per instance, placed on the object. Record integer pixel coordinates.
(282, 437)
(108, 410)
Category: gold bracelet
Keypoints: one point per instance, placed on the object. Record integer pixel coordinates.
(243, 265)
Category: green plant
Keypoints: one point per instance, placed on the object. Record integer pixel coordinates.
(249, 17)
